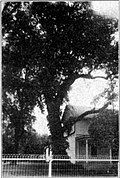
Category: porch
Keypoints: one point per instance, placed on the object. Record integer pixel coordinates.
(84, 148)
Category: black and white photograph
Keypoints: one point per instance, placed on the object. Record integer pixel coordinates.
(60, 89)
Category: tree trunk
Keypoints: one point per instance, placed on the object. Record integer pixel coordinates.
(58, 142)
(16, 141)
(19, 131)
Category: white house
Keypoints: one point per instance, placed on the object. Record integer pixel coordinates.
(80, 144)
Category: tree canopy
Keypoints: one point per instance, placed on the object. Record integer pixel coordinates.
(31, 143)
(46, 47)
(104, 130)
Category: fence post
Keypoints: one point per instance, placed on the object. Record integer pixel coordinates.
(119, 169)
(50, 168)
(47, 154)
(50, 164)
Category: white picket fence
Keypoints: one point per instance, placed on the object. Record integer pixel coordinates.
(57, 166)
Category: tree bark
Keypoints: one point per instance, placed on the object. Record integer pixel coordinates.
(58, 142)
(19, 131)
(16, 141)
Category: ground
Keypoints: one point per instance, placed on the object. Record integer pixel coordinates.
(54, 177)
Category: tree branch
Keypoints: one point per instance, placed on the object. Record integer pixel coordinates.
(106, 78)
(102, 77)
(93, 111)
(73, 120)
(70, 134)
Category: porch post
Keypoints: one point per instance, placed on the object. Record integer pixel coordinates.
(86, 149)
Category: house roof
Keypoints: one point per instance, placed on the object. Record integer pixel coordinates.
(75, 111)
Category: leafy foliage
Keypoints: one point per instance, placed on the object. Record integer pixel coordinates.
(110, 93)
(34, 143)
(104, 130)
(31, 143)
(46, 47)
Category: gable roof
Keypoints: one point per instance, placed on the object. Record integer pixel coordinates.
(75, 111)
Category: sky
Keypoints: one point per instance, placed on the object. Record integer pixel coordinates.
(109, 8)
(83, 91)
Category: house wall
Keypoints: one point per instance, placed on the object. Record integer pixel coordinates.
(81, 127)
(71, 149)
(77, 148)
(80, 150)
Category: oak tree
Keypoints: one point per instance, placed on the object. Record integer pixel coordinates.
(47, 46)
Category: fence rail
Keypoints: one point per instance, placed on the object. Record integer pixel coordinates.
(33, 156)
(57, 166)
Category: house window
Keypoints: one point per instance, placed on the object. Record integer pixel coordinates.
(80, 148)
(93, 150)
